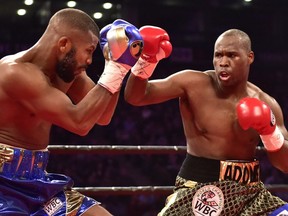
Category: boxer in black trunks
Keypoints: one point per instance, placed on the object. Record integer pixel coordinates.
(224, 117)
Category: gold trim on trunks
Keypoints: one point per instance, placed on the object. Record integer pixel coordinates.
(74, 201)
(6, 155)
(13, 157)
(242, 172)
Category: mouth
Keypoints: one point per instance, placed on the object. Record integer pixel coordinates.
(223, 75)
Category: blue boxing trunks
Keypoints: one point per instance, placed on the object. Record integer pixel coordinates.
(215, 188)
(27, 189)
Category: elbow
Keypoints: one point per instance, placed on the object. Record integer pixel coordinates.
(127, 99)
(284, 169)
(82, 132)
(131, 101)
(104, 123)
(105, 119)
(82, 129)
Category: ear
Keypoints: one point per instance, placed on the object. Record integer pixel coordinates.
(64, 44)
(251, 57)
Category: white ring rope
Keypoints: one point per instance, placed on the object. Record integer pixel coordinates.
(163, 190)
(118, 149)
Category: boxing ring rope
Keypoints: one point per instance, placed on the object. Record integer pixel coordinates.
(137, 149)
(157, 190)
(115, 149)
(129, 190)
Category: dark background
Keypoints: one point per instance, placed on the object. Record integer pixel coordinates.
(193, 26)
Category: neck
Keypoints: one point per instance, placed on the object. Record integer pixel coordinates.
(233, 91)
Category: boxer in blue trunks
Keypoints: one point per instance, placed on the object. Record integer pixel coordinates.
(45, 85)
(224, 118)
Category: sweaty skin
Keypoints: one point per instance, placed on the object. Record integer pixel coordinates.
(208, 103)
(33, 97)
(47, 84)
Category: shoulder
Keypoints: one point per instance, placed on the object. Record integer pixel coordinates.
(192, 79)
(257, 92)
(12, 70)
(20, 78)
(189, 75)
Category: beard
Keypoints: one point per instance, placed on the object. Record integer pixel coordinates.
(65, 68)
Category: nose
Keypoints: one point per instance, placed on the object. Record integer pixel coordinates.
(224, 61)
(89, 61)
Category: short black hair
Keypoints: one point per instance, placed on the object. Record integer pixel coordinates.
(76, 18)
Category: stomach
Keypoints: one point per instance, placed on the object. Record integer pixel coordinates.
(223, 148)
(32, 140)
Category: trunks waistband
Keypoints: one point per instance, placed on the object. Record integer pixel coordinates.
(22, 163)
(209, 170)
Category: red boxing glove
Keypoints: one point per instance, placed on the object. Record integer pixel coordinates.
(156, 43)
(253, 113)
(156, 47)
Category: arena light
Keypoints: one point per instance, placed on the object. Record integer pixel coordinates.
(98, 15)
(107, 5)
(28, 2)
(71, 4)
(21, 12)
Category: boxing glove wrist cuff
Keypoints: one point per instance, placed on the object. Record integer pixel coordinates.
(113, 75)
(274, 141)
(143, 68)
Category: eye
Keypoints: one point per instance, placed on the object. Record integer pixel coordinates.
(217, 55)
(232, 55)
(90, 51)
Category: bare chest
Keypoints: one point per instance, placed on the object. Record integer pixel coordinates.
(210, 115)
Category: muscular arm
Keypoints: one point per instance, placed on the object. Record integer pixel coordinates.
(278, 158)
(30, 87)
(82, 85)
(141, 92)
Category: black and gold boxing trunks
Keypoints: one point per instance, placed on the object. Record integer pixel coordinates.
(207, 187)
(27, 189)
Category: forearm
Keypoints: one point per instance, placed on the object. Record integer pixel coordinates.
(84, 115)
(156, 47)
(107, 115)
(135, 89)
(279, 158)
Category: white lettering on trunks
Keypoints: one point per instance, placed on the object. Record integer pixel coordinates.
(53, 206)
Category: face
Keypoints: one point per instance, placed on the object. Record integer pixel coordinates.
(76, 61)
(231, 60)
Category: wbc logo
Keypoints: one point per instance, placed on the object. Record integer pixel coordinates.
(208, 200)
(53, 206)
